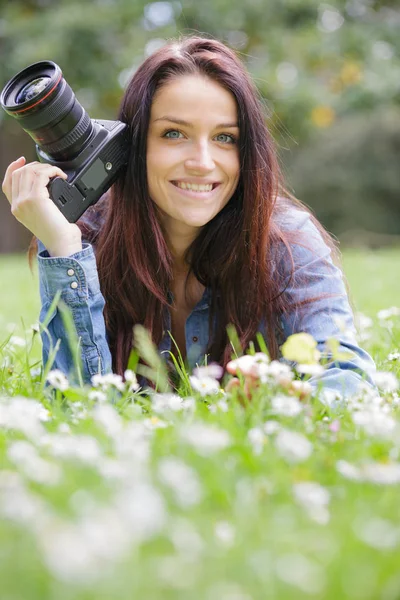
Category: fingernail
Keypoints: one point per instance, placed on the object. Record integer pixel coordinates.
(20, 158)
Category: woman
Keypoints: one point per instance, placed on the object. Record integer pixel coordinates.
(198, 232)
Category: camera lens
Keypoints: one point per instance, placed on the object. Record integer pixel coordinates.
(32, 89)
(46, 108)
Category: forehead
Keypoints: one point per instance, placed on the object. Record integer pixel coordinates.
(194, 96)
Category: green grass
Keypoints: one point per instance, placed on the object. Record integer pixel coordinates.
(216, 497)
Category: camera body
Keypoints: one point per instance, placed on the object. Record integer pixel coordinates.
(91, 152)
(92, 171)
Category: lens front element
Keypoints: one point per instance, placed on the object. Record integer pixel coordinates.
(32, 89)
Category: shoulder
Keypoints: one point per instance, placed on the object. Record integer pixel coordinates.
(298, 236)
(290, 216)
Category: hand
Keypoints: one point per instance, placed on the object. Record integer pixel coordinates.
(251, 381)
(25, 186)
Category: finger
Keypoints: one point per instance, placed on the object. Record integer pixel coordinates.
(42, 176)
(7, 181)
(250, 385)
(231, 367)
(234, 382)
(26, 179)
(15, 177)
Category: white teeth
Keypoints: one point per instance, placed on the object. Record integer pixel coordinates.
(195, 186)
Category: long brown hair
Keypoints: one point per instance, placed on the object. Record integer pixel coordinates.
(232, 254)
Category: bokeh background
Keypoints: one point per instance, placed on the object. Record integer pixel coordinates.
(329, 74)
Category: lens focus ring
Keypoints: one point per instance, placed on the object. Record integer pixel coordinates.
(84, 126)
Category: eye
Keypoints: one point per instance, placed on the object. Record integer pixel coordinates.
(228, 139)
(172, 134)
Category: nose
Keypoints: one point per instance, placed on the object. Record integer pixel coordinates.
(200, 160)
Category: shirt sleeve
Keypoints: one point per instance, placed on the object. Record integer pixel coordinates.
(76, 278)
(320, 306)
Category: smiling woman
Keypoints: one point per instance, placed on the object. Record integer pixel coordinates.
(193, 170)
(197, 234)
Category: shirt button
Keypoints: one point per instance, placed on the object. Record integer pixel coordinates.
(195, 338)
(74, 285)
(70, 272)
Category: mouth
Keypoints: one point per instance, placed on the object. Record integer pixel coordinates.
(199, 193)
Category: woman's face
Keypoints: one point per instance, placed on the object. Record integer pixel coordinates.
(192, 152)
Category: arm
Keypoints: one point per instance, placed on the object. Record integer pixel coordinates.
(325, 311)
(77, 279)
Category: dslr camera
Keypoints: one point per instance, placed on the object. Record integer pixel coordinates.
(91, 152)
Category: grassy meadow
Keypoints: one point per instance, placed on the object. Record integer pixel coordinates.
(108, 491)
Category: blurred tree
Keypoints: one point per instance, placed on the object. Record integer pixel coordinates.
(314, 63)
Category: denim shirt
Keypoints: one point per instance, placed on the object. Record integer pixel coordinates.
(315, 276)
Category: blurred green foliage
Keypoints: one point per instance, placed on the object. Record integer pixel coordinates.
(320, 67)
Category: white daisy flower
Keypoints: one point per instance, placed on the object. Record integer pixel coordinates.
(204, 385)
(58, 380)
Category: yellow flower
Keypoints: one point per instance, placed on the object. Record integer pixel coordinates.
(322, 116)
(351, 73)
(301, 348)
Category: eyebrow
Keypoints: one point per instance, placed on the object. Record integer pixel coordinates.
(187, 124)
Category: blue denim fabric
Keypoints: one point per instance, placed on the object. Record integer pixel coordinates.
(323, 318)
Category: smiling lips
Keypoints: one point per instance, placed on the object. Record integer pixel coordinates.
(196, 187)
(205, 192)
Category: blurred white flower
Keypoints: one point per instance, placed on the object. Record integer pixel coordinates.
(330, 397)
(130, 378)
(204, 385)
(188, 404)
(271, 427)
(97, 396)
(385, 380)
(82, 448)
(108, 380)
(388, 313)
(25, 456)
(348, 470)
(373, 472)
(162, 403)
(225, 533)
(182, 480)
(278, 373)
(84, 551)
(16, 342)
(205, 439)
(257, 439)
(24, 415)
(377, 533)
(35, 371)
(108, 418)
(142, 510)
(58, 380)
(381, 473)
(154, 423)
(363, 322)
(302, 388)
(64, 428)
(310, 369)
(35, 327)
(18, 504)
(314, 498)
(394, 356)
(222, 405)
(213, 370)
(287, 406)
(292, 446)
(186, 539)
(374, 422)
(301, 572)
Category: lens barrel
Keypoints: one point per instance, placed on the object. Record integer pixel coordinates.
(46, 108)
